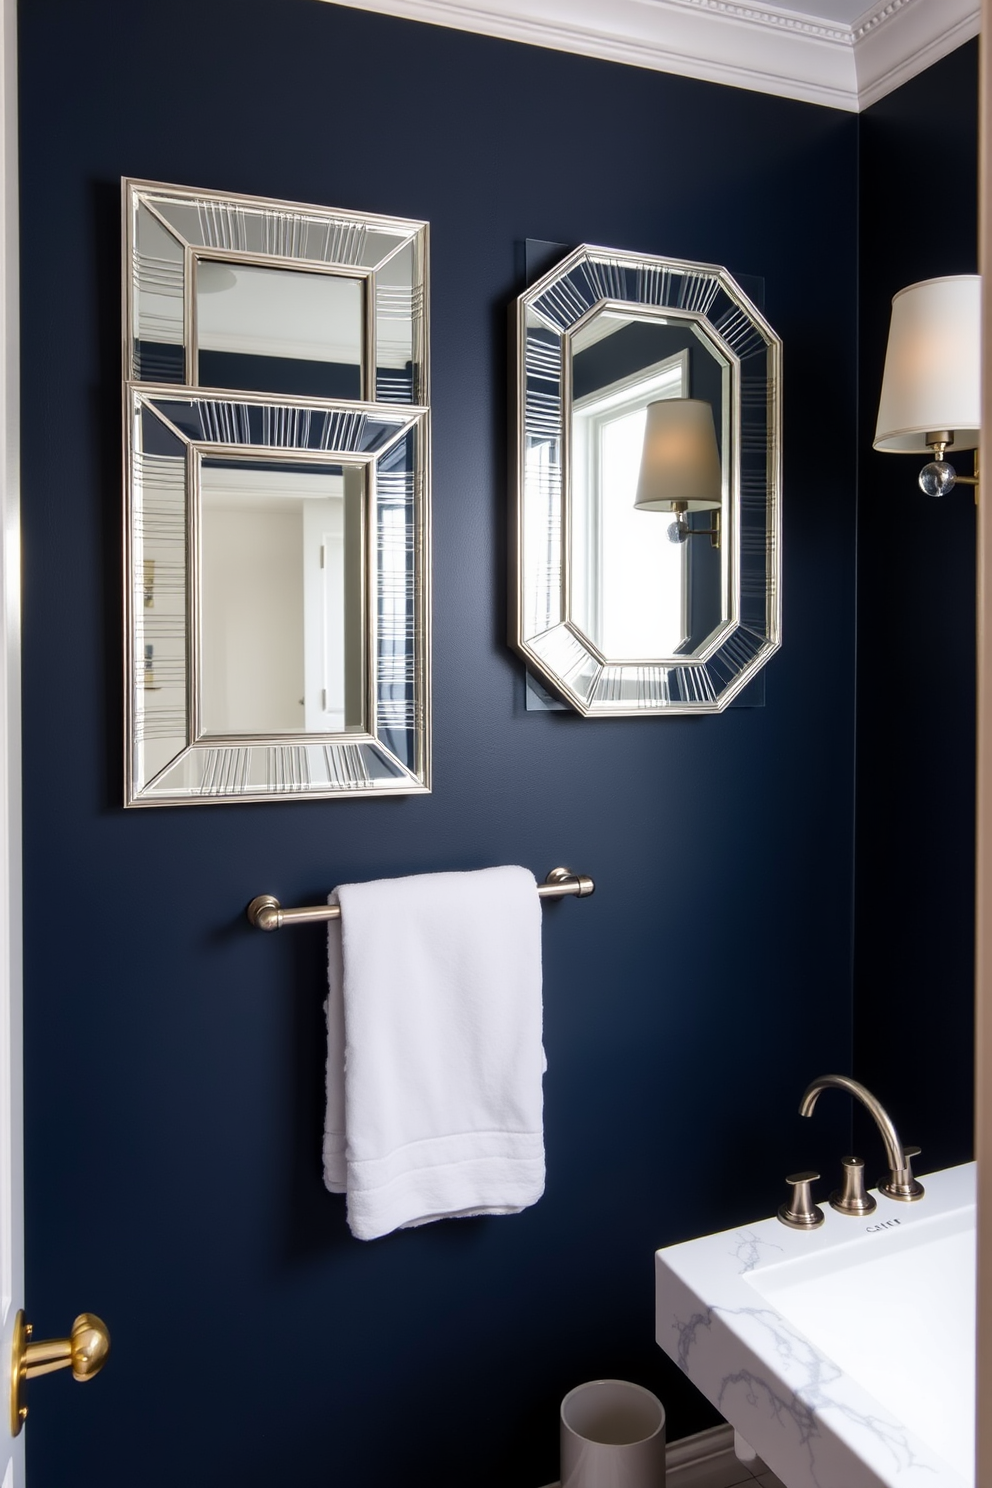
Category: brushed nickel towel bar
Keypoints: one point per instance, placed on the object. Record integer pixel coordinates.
(266, 913)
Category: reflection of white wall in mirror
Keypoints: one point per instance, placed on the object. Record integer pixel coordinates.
(279, 312)
(629, 582)
(251, 616)
(277, 651)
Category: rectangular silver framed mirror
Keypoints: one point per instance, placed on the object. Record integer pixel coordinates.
(276, 436)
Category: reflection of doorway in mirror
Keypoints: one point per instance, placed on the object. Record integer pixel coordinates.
(323, 614)
(629, 581)
(332, 648)
(281, 638)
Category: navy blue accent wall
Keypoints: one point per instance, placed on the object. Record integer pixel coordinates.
(174, 1057)
(916, 646)
(295, 375)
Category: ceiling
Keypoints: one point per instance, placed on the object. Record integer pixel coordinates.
(833, 52)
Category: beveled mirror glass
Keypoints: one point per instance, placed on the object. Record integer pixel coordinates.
(276, 434)
(646, 525)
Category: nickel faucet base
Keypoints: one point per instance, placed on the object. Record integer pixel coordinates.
(902, 1185)
(852, 1198)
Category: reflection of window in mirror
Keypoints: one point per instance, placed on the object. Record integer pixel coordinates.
(281, 605)
(279, 330)
(629, 582)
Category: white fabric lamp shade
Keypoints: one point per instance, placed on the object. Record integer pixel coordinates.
(680, 465)
(932, 379)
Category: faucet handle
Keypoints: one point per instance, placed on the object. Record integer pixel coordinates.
(853, 1198)
(800, 1213)
(900, 1183)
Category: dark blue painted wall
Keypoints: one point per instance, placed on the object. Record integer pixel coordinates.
(914, 994)
(174, 1057)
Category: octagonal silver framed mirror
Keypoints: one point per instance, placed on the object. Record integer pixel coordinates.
(276, 500)
(646, 524)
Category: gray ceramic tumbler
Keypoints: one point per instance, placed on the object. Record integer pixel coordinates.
(612, 1436)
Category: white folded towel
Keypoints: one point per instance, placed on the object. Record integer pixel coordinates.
(434, 1054)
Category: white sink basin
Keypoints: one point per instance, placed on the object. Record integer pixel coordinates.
(845, 1356)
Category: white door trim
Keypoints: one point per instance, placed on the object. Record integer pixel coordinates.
(983, 875)
(11, 1116)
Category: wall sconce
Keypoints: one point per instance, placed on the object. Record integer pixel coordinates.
(680, 466)
(931, 387)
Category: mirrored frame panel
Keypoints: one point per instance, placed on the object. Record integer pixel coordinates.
(665, 663)
(284, 269)
(247, 677)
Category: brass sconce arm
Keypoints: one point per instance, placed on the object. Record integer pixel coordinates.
(940, 476)
(679, 531)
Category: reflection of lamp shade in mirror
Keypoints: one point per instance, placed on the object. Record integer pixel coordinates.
(215, 278)
(680, 465)
(931, 382)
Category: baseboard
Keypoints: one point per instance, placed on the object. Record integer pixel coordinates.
(703, 1447)
(707, 1460)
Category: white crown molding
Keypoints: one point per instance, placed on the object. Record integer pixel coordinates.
(898, 40)
(718, 42)
(746, 45)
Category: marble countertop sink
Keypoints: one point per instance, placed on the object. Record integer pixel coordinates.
(845, 1356)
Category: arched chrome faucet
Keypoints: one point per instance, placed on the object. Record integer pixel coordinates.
(900, 1183)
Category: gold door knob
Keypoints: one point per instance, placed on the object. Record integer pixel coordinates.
(84, 1352)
